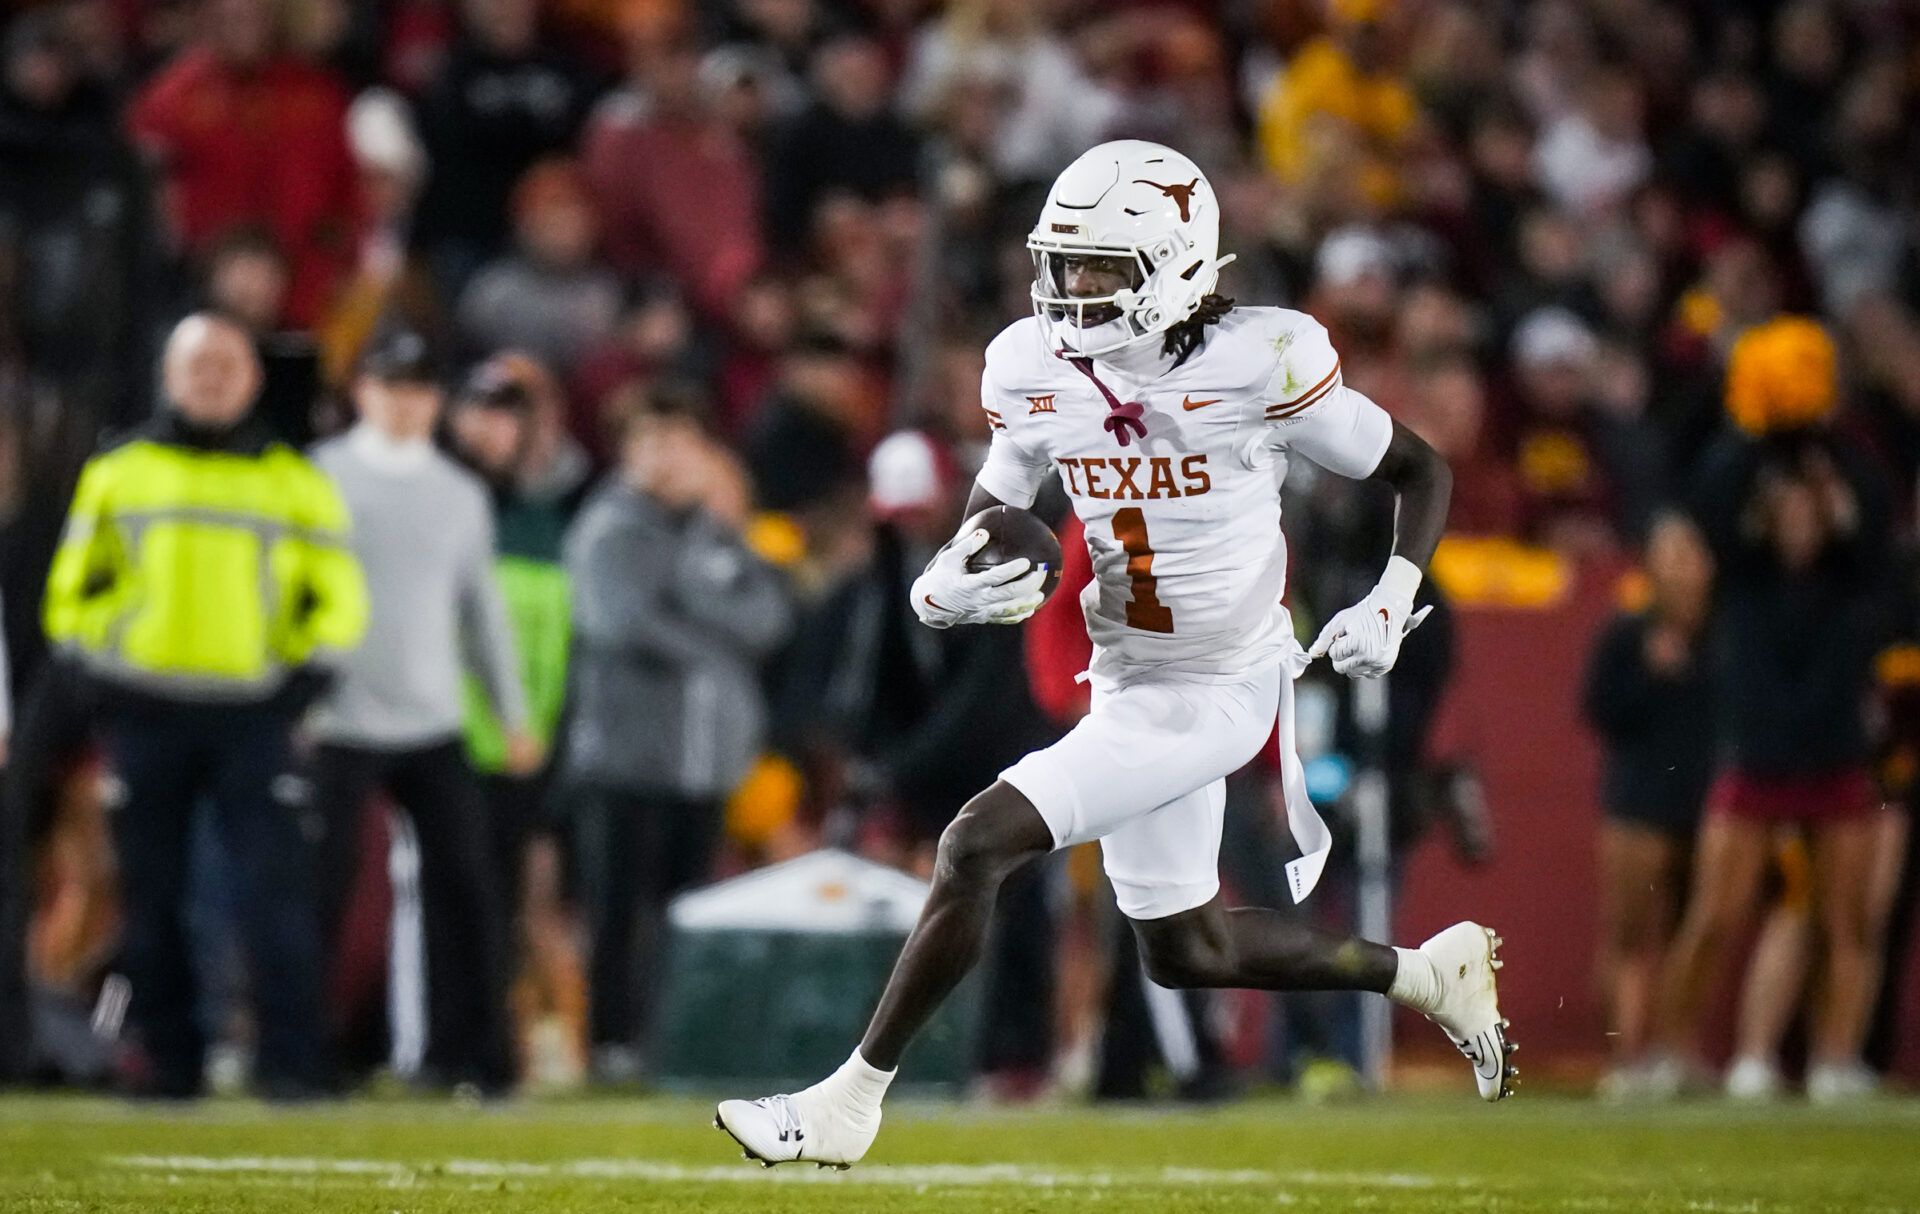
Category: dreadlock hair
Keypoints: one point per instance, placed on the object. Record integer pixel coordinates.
(1184, 338)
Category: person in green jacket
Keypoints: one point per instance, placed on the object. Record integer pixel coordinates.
(537, 486)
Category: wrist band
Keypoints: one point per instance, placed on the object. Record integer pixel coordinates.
(1402, 577)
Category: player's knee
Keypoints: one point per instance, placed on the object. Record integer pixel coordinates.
(968, 855)
(959, 854)
(1184, 960)
(995, 832)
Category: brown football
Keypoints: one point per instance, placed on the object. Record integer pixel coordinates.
(1011, 534)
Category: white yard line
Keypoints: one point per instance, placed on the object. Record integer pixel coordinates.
(896, 1175)
(488, 1175)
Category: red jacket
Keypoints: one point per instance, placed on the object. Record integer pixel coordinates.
(264, 146)
(1058, 647)
(675, 196)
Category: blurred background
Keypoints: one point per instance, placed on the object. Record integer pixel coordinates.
(704, 289)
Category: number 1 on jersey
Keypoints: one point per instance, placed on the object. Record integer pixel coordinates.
(1145, 611)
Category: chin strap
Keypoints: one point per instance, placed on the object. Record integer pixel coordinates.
(1123, 419)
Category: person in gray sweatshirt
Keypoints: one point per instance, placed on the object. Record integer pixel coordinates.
(672, 617)
(423, 531)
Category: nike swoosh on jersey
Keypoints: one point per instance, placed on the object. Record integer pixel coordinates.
(1190, 404)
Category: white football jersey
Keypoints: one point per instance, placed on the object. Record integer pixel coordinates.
(1183, 523)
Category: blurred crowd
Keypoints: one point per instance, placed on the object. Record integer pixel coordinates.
(689, 301)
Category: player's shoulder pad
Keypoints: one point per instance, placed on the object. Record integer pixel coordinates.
(1018, 354)
(1020, 369)
(1241, 349)
(1306, 368)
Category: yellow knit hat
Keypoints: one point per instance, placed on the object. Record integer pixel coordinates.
(1781, 375)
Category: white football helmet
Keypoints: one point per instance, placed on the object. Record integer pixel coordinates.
(1139, 204)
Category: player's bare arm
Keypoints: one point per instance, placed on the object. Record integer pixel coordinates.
(1364, 640)
(1423, 485)
(980, 499)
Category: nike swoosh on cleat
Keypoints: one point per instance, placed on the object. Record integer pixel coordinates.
(1190, 404)
(1489, 1054)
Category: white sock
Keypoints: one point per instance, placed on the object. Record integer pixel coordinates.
(1415, 983)
(860, 1081)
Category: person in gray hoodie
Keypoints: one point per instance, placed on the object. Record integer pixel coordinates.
(672, 617)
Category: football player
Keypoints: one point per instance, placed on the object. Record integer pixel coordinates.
(1171, 416)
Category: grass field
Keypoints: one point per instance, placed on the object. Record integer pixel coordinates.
(1535, 1153)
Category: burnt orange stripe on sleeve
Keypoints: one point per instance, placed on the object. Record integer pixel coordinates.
(1316, 389)
(1277, 412)
(1285, 408)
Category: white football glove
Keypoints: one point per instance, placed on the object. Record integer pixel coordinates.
(946, 594)
(1364, 639)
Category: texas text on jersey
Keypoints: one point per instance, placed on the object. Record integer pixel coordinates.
(1183, 520)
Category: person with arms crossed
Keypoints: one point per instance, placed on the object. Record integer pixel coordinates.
(673, 615)
(1171, 416)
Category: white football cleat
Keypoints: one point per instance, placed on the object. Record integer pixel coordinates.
(1464, 957)
(813, 1126)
